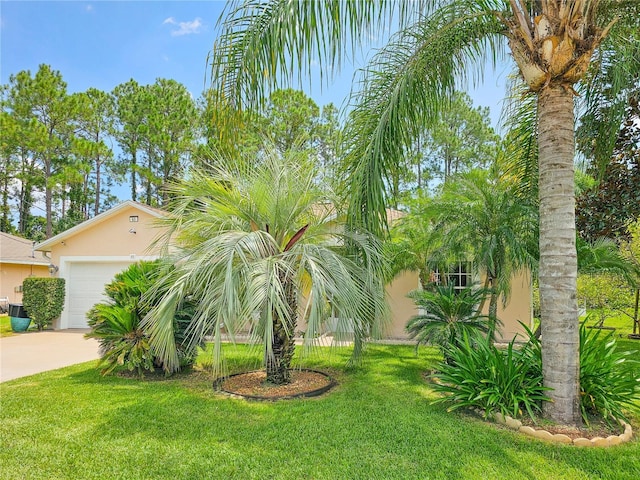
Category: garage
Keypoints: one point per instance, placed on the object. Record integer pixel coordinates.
(85, 288)
(89, 254)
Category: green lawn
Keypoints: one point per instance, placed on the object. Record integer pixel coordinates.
(622, 323)
(377, 424)
(5, 325)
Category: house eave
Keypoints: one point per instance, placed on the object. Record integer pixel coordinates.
(46, 245)
(10, 261)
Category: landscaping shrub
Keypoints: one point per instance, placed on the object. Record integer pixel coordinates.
(43, 299)
(480, 375)
(446, 315)
(509, 381)
(122, 342)
(116, 324)
(609, 378)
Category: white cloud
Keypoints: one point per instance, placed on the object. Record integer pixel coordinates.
(88, 8)
(184, 28)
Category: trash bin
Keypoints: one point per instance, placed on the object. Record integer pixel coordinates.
(17, 310)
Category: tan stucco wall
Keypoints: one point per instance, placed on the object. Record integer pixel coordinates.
(402, 308)
(12, 275)
(111, 238)
(519, 308)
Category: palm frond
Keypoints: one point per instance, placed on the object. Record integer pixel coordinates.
(260, 43)
(613, 78)
(247, 242)
(518, 155)
(603, 255)
(401, 92)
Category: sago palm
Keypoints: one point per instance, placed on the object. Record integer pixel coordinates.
(447, 315)
(258, 247)
(401, 91)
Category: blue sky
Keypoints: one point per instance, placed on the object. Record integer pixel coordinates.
(104, 43)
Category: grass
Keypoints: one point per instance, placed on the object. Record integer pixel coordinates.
(5, 326)
(377, 424)
(622, 323)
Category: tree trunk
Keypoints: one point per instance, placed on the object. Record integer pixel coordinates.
(558, 261)
(636, 308)
(134, 163)
(279, 364)
(96, 205)
(423, 276)
(493, 312)
(48, 200)
(5, 223)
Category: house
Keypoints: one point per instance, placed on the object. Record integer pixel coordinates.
(90, 254)
(18, 260)
(518, 309)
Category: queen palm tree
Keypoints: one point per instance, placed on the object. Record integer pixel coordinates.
(400, 92)
(256, 245)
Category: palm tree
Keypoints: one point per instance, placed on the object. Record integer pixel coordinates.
(602, 255)
(447, 316)
(406, 83)
(256, 245)
(481, 219)
(414, 242)
(116, 323)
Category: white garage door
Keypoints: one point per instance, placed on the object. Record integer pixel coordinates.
(86, 287)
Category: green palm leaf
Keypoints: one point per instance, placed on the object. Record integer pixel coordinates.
(256, 245)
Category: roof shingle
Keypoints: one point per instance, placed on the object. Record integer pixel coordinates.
(15, 249)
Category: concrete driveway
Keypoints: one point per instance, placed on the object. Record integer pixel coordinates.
(24, 354)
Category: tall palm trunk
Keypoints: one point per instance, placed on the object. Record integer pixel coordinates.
(493, 313)
(636, 309)
(558, 261)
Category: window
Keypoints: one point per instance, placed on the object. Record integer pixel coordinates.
(459, 275)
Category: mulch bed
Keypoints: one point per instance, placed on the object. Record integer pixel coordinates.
(304, 383)
(597, 428)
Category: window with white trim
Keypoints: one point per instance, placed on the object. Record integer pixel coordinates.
(460, 275)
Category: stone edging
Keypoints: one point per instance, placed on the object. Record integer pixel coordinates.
(561, 438)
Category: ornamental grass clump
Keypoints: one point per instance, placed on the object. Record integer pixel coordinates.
(480, 375)
(609, 378)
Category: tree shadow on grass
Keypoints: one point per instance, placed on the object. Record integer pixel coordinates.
(377, 424)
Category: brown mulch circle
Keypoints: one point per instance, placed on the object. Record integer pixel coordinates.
(252, 385)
